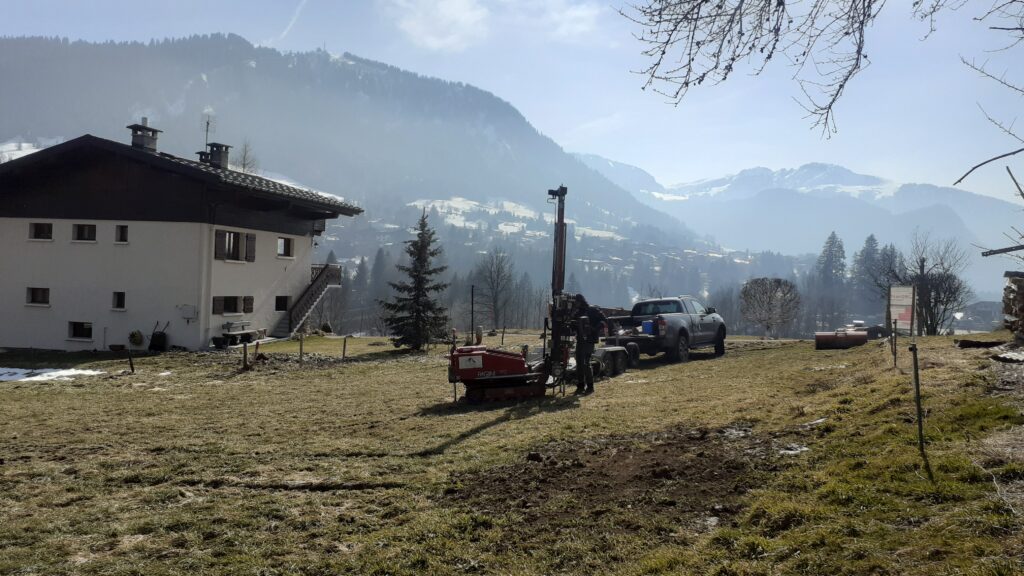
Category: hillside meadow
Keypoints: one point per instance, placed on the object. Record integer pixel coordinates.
(774, 459)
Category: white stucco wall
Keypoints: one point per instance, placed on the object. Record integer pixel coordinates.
(164, 269)
(266, 278)
(158, 269)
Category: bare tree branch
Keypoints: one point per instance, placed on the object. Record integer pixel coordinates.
(694, 42)
(979, 165)
(1008, 130)
(1015, 183)
(980, 69)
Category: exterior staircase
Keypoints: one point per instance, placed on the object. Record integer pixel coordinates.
(324, 277)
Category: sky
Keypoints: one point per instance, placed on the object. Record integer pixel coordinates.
(570, 67)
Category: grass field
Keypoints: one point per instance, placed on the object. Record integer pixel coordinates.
(774, 459)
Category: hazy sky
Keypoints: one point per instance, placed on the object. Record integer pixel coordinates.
(911, 116)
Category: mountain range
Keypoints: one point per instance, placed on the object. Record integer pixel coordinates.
(793, 210)
(397, 143)
(372, 133)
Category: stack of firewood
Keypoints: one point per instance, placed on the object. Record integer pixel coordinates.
(1013, 303)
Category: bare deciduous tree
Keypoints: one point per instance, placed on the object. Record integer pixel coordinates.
(247, 161)
(933, 268)
(769, 302)
(693, 42)
(496, 274)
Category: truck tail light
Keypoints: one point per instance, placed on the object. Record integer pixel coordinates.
(662, 326)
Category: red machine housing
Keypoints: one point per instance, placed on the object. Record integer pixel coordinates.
(493, 374)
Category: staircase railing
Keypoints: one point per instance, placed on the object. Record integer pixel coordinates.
(324, 275)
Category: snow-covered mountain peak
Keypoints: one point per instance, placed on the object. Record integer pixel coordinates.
(814, 178)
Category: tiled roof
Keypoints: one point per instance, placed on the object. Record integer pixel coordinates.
(259, 183)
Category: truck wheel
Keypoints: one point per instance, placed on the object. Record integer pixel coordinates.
(681, 351)
(619, 363)
(720, 343)
(633, 355)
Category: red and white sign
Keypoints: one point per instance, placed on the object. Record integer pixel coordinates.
(901, 306)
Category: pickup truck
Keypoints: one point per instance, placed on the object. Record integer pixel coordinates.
(675, 326)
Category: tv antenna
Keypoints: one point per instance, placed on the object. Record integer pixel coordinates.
(208, 125)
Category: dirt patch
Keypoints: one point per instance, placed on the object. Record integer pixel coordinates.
(688, 479)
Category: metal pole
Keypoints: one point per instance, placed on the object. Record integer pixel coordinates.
(920, 414)
(245, 355)
(131, 363)
(895, 323)
(502, 335)
(301, 340)
(344, 348)
(913, 312)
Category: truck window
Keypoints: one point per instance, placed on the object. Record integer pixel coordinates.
(655, 308)
(698, 308)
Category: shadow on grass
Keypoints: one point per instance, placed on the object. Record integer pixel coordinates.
(661, 360)
(510, 411)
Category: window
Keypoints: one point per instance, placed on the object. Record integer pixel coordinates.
(281, 304)
(229, 246)
(118, 301)
(38, 296)
(231, 305)
(40, 231)
(121, 234)
(698, 308)
(284, 247)
(83, 232)
(82, 330)
(233, 246)
(227, 305)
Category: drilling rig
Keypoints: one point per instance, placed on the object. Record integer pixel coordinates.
(494, 374)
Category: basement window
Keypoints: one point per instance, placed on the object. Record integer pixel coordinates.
(80, 330)
(38, 296)
(83, 232)
(285, 247)
(40, 231)
(121, 234)
(118, 301)
(281, 304)
(230, 305)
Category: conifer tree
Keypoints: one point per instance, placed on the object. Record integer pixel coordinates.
(865, 269)
(831, 280)
(414, 316)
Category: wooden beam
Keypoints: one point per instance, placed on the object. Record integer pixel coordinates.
(1003, 250)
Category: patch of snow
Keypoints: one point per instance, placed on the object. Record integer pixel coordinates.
(43, 374)
(793, 450)
(669, 197)
(582, 231)
(13, 149)
(166, 373)
(511, 227)
(517, 210)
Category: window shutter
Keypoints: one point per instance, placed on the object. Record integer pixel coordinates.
(250, 247)
(220, 245)
(218, 304)
(247, 304)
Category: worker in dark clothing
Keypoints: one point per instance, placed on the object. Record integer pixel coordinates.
(588, 333)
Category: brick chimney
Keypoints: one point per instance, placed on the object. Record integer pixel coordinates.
(218, 155)
(144, 137)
